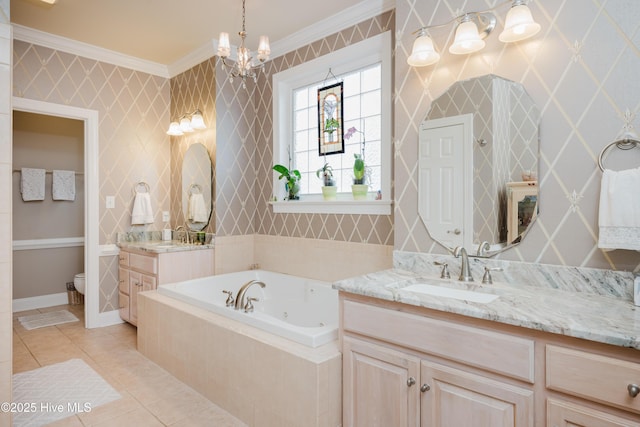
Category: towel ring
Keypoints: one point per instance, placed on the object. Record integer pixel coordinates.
(622, 144)
(144, 184)
(195, 186)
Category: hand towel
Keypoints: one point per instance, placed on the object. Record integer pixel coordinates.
(197, 210)
(619, 213)
(63, 185)
(142, 212)
(32, 184)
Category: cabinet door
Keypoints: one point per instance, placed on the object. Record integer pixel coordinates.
(459, 398)
(123, 303)
(565, 414)
(379, 386)
(135, 286)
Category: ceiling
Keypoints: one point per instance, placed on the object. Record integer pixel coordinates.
(164, 31)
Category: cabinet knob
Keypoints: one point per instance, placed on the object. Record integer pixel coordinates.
(425, 387)
(121, 258)
(456, 231)
(634, 390)
(411, 381)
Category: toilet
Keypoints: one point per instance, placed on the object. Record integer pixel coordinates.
(78, 282)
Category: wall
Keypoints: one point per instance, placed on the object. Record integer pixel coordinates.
(6, 345)
(133, 110)
(372, 229)
(195, 88)
(580, 70)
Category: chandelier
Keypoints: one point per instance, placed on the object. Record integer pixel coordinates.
(244, 66)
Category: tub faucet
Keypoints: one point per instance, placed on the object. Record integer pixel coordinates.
(465, 269)
(240, 303)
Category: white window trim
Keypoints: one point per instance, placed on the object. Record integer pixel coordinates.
(353, 57)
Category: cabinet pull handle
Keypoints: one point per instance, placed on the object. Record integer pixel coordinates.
(425, 387)
(121, 258)
(411, 381)
(634, 390)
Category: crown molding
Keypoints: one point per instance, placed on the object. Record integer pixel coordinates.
(357, 13)
(86, 50)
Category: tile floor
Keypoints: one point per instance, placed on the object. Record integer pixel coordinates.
(150, 395)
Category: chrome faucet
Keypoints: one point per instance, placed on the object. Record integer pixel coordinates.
(483, 248)
(465, 269)
(240, 303)
(186, 233)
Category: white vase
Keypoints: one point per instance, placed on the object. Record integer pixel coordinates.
(359, 191)
(329, 192)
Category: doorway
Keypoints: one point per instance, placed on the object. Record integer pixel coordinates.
(91, 199)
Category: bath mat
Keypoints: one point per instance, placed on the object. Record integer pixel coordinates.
(41, 320)
(58, 391)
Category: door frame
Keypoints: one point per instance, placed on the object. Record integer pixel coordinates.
(92, 200)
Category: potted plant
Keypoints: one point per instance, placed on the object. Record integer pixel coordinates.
(359, 189)
(329, 189)
(292, 177)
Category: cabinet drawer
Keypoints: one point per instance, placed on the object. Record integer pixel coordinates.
(599, 378)
(123, 258)
(147, 264)
(496, 352)
(567, 414)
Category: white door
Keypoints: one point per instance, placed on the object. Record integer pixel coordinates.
(445, 171)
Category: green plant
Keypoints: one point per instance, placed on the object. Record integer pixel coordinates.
(358, 169)
(331, 125)
(292, 177)
(327, 175)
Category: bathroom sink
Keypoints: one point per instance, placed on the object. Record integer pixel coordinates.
(459, 294)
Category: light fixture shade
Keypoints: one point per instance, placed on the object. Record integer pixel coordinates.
(264, 50)
(197, 122)
(423, 52)
(519, 25)
(174, 129)
(185, 125)
(467, 39)
(224, 47)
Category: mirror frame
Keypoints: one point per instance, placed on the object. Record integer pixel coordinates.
(457, 101)
(197, 171)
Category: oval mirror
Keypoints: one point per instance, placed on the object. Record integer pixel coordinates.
(196, 187)
(478, 165)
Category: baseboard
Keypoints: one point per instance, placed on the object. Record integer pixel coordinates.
(41, 301)
(109, 318)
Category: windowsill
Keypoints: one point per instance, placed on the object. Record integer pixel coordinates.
(316, 204)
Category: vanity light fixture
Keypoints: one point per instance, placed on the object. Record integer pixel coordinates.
(244, 67)
(188, 123)
(470, 31)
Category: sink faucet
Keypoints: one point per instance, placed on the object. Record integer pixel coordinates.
(465, 269)
(240, 297)
(186, 232)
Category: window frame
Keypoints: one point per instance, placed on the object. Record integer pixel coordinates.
(376, 49)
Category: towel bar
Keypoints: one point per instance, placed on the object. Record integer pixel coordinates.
(144, 184)
(195, 186)
(622, 144)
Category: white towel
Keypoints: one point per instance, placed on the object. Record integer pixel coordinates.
(197, 210)
(32, 184)
(63, 186)
(619, 215)
(142, 212)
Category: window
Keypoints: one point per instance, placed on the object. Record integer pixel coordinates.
(365, 69)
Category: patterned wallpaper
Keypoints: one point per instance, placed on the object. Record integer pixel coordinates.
(375, 229)
(191, 90)
(581, 71)
(133, 117)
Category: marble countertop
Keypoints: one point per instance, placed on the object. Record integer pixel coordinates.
(599, 318)
(162, 246)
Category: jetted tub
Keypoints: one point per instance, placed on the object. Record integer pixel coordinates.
(299, 309)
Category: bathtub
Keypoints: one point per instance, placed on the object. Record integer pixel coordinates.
(299, 309)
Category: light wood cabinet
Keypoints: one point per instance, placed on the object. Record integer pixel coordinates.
(398, 380)
(140, 272)
(566, 414)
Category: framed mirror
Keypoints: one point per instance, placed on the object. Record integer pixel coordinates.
(196, 187)
(478, 165)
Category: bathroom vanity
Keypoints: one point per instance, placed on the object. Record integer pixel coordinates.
(532, 357)
(142, 266)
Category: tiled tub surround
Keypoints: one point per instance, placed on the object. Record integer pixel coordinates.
(262, 379)
(589, 304)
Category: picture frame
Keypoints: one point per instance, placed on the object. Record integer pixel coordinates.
(330, 120)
